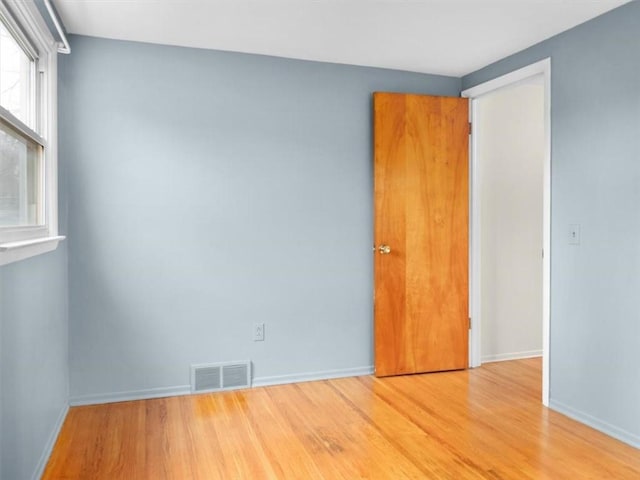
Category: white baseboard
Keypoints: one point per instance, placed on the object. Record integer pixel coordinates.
(503, 357)
(99, 398)
(593, 422)
(312, 376)
(48, 448)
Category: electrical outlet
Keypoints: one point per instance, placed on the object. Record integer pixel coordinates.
(258, 332)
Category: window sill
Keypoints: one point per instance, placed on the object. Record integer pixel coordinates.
(14, 251)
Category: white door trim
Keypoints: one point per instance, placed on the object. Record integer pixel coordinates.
(542, 67)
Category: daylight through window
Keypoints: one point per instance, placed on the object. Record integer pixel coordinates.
(28, 133)
(21, 148)
(16, 78)
(20, 179)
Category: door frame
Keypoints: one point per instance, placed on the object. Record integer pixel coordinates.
(542, 67)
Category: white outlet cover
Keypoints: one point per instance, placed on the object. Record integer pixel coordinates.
(258, 332)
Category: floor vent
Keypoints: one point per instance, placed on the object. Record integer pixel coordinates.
(220, 376)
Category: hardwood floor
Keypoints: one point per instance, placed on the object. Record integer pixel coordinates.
(485, 423)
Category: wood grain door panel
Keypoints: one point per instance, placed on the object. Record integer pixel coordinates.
(421, 211)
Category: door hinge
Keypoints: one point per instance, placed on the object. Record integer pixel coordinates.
(470, 127)
(469, 323)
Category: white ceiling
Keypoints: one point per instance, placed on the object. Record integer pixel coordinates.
(448, 37)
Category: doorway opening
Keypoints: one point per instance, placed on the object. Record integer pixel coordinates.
(510, 156)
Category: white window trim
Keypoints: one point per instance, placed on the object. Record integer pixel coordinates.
(23, 242)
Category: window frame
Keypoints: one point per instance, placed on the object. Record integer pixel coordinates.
(26, 25)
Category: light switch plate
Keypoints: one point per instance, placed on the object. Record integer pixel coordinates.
(574, 234)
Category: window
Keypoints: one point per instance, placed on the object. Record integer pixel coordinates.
(28, 185)
(17, 77)
(20, 179)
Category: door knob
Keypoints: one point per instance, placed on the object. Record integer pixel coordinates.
(384, 249)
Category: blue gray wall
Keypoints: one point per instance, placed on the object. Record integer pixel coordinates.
(595, 322)
(209, 191)
(33, 361)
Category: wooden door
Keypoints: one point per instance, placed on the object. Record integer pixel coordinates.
(421, 176)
